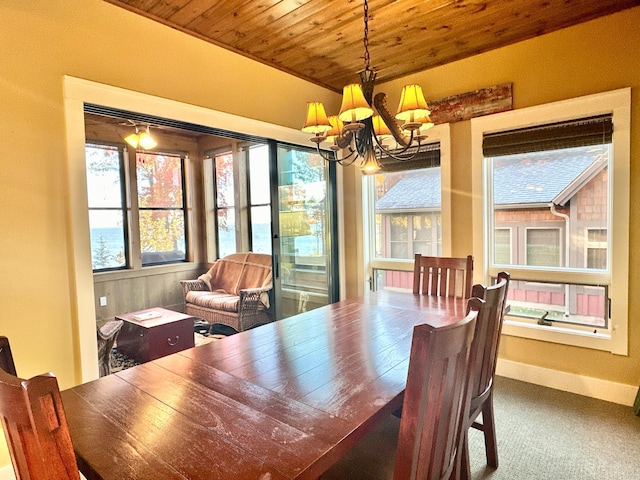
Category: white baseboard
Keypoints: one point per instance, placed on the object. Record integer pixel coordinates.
(6, 473)
(569, 382)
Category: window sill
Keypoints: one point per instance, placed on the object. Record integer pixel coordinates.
(146, 271)
(598, 340)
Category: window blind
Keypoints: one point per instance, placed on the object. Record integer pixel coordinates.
(429, 156)
(575, 133)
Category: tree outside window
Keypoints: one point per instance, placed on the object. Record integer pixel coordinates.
(161, 207)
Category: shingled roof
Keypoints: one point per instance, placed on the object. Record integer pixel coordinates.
(418, 190)
(540, 177)
(533, 178)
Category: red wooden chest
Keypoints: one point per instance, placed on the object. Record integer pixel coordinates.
(154, 333)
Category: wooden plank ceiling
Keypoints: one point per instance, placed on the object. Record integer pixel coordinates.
(322, 40)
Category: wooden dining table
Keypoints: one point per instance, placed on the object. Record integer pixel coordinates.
(281, 401)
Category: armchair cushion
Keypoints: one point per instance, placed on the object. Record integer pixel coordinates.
(233, 292)
(239, 271)
(215, 300)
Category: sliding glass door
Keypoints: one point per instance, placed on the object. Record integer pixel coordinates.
(304, 224)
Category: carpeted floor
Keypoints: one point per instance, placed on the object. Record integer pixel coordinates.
(543, 434)
(547, 434)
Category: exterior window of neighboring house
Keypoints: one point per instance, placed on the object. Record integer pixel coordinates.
(502, 246)
(596, 248)
(548, 183)
(405, 212)
(107, 207)
(159, 218)
(543, 247)
(161, 207)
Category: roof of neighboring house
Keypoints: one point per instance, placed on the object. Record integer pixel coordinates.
(419, 189)
(539, 177)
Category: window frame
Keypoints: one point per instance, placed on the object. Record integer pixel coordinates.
(131, 209)
(183, 158)
(618, 103)
(439, 133)
(124, 209)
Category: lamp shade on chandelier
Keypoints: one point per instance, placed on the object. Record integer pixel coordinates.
(364, 123)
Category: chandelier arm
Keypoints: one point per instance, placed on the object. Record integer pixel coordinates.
(398, 154)
(380, 103)
(333, 156)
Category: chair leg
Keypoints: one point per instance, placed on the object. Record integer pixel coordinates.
(490, 443)
(465, 464)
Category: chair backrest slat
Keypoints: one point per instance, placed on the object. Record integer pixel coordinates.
(35, 427)
(6, 358)
(443, 276)
(487, 335)
(435, 403)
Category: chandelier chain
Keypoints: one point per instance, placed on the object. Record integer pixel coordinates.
(366, 35)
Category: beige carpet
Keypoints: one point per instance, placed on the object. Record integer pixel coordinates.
(543, 434)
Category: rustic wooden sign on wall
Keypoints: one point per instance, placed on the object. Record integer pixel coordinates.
(495, 99)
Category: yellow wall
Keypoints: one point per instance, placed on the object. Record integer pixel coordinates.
(594, 57)
(41, 41)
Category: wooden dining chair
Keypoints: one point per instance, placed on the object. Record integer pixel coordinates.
(443, 276)
(434, 410)
(482, 367)
(107, 336)
(6, 358)
(35, 427)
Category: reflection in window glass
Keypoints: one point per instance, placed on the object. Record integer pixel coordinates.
(106, 207)
(161, 207)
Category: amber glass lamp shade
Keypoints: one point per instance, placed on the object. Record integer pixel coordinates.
(370, 163)
(354, 106)
(412, 106)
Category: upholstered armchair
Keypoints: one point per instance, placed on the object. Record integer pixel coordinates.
(234, 291)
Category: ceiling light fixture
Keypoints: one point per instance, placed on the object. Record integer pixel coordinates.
(142, 139)
(360, 130)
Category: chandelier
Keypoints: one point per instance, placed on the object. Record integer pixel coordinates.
(364, 123)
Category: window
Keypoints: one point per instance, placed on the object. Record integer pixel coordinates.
(225, 204)
(107, 210)
(596, 255)
(556, 217)
(260, 199)
(161, 209)
(159, 220)
(543, 247)
(502, 246)
(408, 207)
(242, 178)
